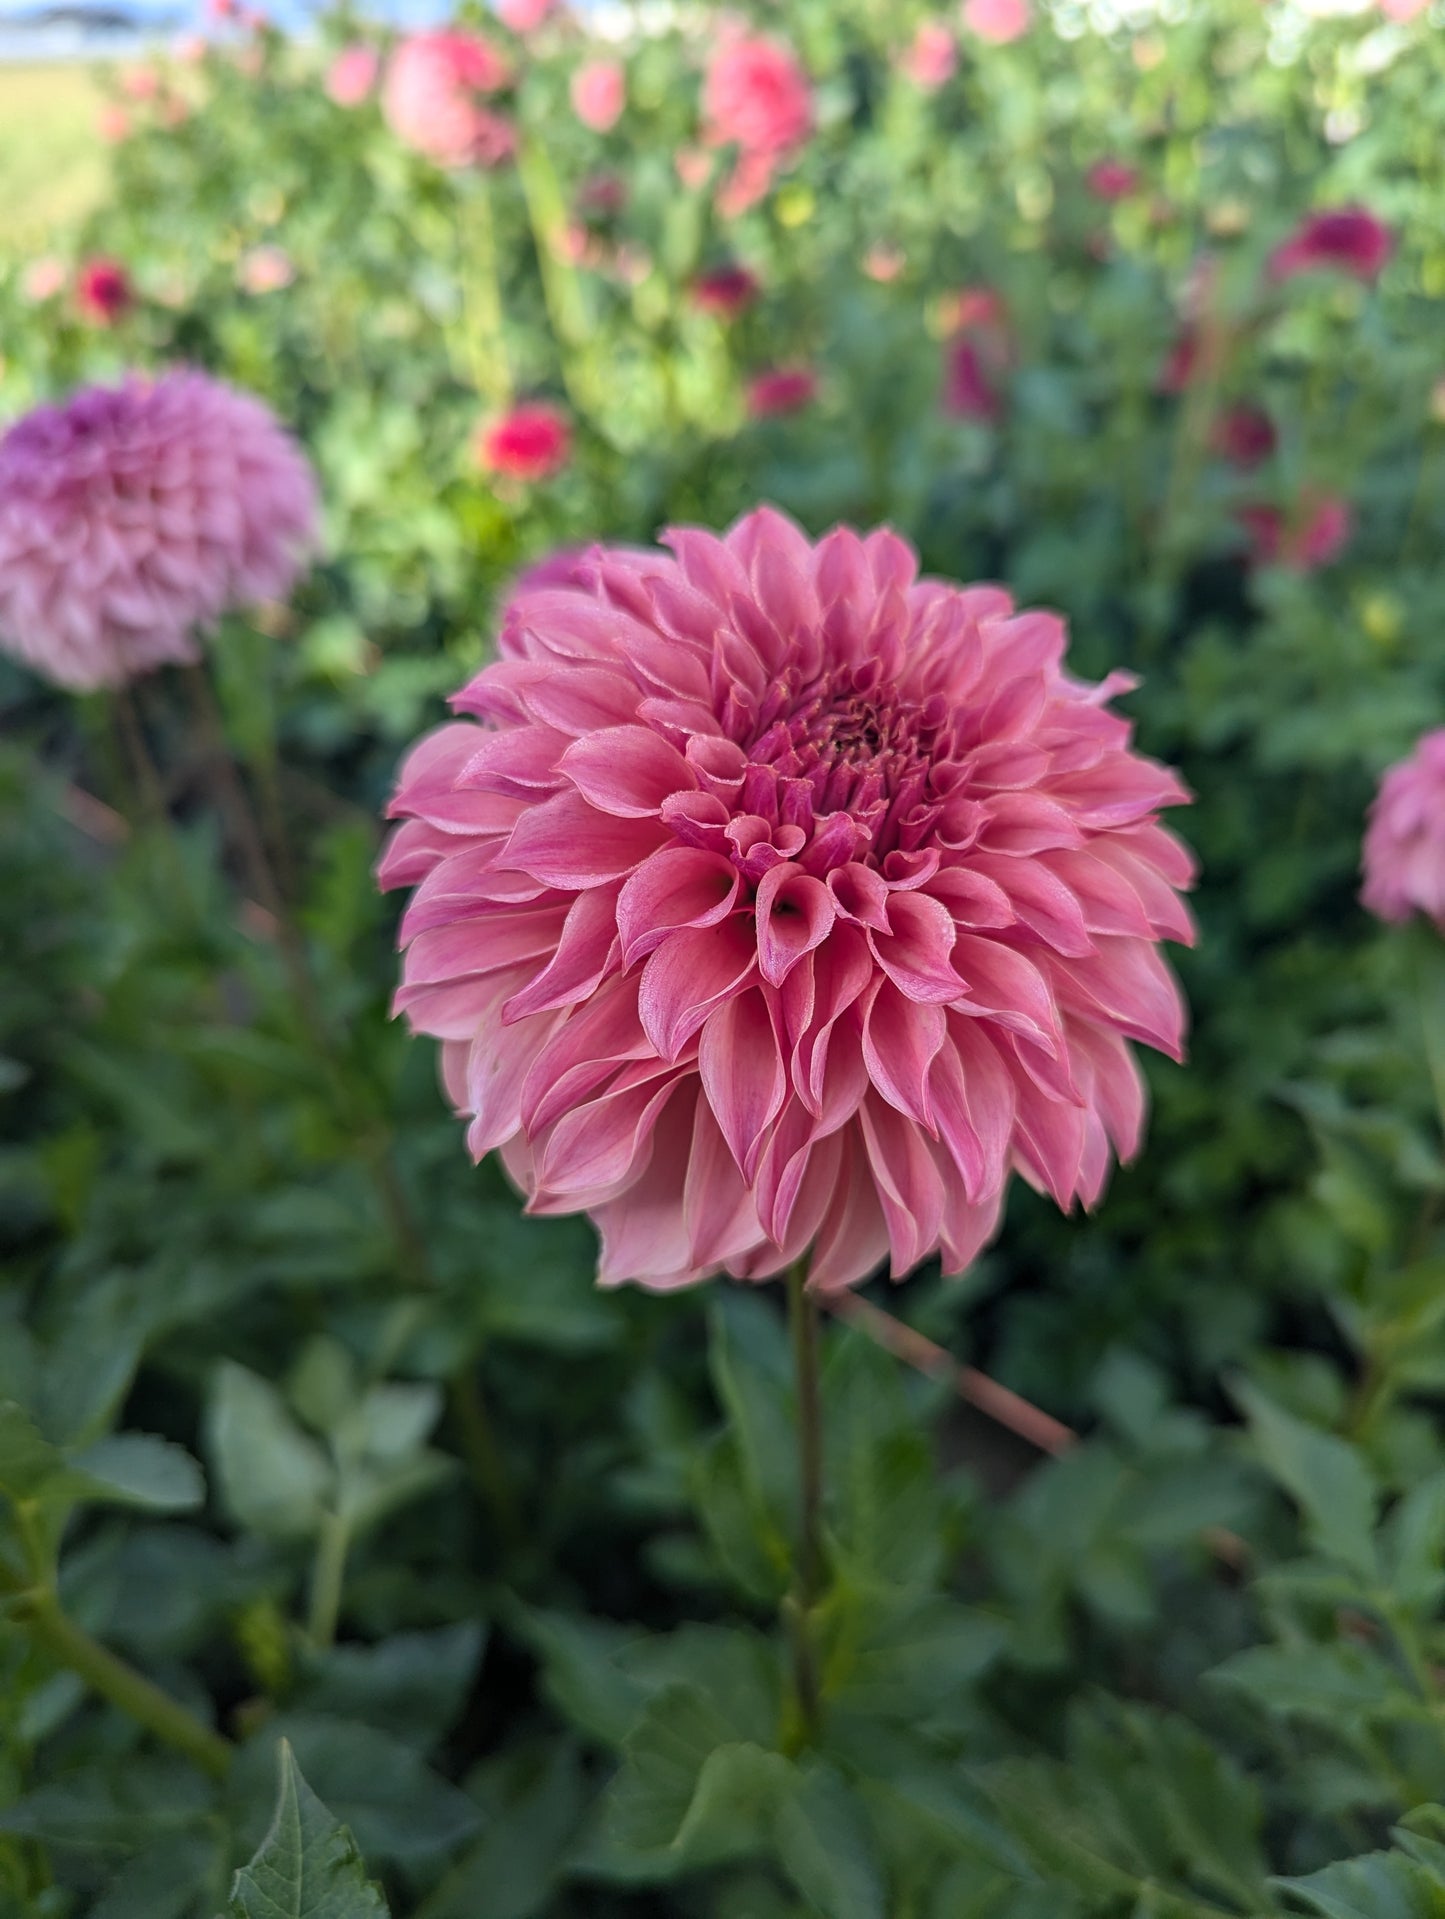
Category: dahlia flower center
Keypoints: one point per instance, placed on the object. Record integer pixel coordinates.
(845, 745)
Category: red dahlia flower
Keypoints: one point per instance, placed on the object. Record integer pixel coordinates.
(725, 291)
(781, 390)
(1347, 239)
(103, 292)
(782, 903)
(530, 442)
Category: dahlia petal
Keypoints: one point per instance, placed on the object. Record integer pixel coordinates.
(692, 972)
(521, 763)
(901, 1039)
(1041, 901)
(681, 886)
(497, 1069)
(565, 842)
(915, 952)
(719, 1210)
(644, 1232)
(626, 770)
(604, 1144)
(742, 1074)
(973, 1098)
(454, 951)
(1010, 989)
(795, 913)
(584, 954)
(1129, 987)
(584, 1053)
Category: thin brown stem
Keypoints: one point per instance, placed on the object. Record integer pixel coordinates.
(150, 797)
(808, 1570)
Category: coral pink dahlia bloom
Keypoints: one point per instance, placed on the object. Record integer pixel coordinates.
(1404, 850)
(599, 94)
(352, 75)
(529, 442)
(770, 900)
(431, 99)
(133, 515)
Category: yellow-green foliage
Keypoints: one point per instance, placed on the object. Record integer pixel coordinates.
(52, 162)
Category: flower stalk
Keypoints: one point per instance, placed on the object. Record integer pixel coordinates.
(802, 1601)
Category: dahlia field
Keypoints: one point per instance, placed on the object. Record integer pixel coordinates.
(722, 1043)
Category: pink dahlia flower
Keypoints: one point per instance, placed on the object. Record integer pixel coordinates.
(783, 903)
(530, 442)
(113, 124)
(757, 97)
(132, 516)
(353, 74)
(265, 269)
(432, 99)
(1343, 239)
(43, 279)
(931, 58)
(103, 292)
(599, 94)
(726, 291)
(1112, 180)
(781, 390)
(1404, 850)
(1402, 10)
(1244, 436)
(525, 16)
(1314, 533)
(968, 391)
(997, 21)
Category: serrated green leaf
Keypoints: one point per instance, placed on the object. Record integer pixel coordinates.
(274, 1479)
(1382, 1885)
(825, 1848)
(308, 1866)
(1325, 1475)
(27, 1459)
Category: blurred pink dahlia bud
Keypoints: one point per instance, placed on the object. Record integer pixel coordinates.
(353, 74)
(525, 16)
(1244, 436)
(977, 355)
(1343, 239)
(725, 291)
(1111, 180)
(112, 123)
(997, 21)
(599, 93)
(930, 59)
(132, 516)
(140, 83)
(1402, 10)
(772, 901)
(103, 292)
(968, 391)
(1313, 533)
(43, 279)
(529, 442)
(1404, 849)
(265, 269)
(756, 97)
(432, 99)
(693, 166)
(781, 390)
(884, 262)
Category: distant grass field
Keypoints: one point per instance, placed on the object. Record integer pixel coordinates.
(52, 161)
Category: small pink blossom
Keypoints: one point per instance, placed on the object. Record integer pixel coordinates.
(1313, 533)
(1112, 180)
(1404, 847)
(190, 50)
(997, 21)
(756, 97)
(525, 16)
(978, 354)
(432, 99)
(773, 903)
(781, 391)
(1244, 436)
(694, 167)
(725, 291)
(602, 196)
(140, 83)
(352, 76)
(599, 94)
(884, 262)
(530, 442)
(972, 310)
(930, 59)
(1343, 239)
(265, 269)
(103, 292)
(133, 516)
(968, 392)
(43, 279)
(112, 123)
(1402, 10)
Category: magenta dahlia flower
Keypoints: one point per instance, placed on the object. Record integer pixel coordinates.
(1404, 850)
(133, 516)
(1346, 239)
(770, 900)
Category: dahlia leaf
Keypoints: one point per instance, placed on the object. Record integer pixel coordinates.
(1325, 1476)
(137, 1469)
(825, 1847)
(307, 1866)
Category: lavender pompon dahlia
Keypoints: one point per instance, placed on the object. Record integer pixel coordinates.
(132, 516)
(785, 902)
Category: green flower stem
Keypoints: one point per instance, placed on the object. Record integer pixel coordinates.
(561, 288)
(37, 1610)
(485, 320)
(808, 1571)
(328, 1577)
(483, 1454)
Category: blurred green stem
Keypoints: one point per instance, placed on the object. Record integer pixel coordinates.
(561, 289)
(482, 1452)
(808, 1570)
(485, 322)
(328, 1574)
(36, 1608)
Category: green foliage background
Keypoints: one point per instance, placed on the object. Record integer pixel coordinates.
(303, 1422)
